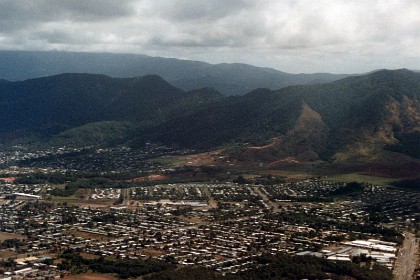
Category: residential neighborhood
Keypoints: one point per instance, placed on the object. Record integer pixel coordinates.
(221, 226)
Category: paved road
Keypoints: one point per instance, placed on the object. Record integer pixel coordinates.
(406, 262)
(127, 196)
(273, 204)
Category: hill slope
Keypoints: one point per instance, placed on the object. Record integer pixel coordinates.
(48, 106)
(357, 117)
(364, 119)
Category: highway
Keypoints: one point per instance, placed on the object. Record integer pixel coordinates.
(407, 259)
(274, 205)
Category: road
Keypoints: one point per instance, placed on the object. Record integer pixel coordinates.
(406, 262)
(274, 205)
(126, 193)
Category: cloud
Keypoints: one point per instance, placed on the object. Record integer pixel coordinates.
(297, 36)
(192, 10)
(18, 14)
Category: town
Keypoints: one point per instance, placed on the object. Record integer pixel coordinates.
(222, 226)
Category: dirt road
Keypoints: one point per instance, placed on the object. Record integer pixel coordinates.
(406, 262)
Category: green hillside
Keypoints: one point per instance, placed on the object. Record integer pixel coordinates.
(105, 133)
(369, 118)
(49, 106)
(354, 116)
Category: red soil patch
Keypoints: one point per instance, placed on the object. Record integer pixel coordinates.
(8, 179)
(202, 159)
(153, 177)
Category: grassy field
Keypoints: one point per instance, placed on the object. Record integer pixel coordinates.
(290, 175)
(354, 177)
(75, 200)
(169, 160)
(5, 235)
(93, 236)
(201, 159)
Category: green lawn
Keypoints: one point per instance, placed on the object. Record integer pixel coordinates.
(354, 177)
(169, 160)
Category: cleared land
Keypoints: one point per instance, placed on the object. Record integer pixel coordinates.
(4, 236)
(201, 159)
(152, 252)
(93, 203)
(153, 177)
(88, 235)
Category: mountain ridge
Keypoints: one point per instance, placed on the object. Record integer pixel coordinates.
(361, 119)
(354, 110)
(229, 79)
(71, 100)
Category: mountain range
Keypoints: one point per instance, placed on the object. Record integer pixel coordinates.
(373, 118)
(353, 118)
(48, 106)
(229, 79)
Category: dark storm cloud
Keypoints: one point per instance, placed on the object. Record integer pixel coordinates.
(296, 36)
(192, 10)
(17, 14)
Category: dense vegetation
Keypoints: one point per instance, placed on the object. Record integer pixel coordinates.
(349, 188)
(253, 118)
(285, 267)
(308, 122)
(408, 144)
(74, 263)
(348, 109)
(356, 230)
(105, 133)
(58, 103)
(408, 184)
(69, 190)
(11, 243)
(269, 267)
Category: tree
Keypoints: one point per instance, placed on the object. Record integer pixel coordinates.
(120, 199)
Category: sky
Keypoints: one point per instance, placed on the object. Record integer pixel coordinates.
(301, 36)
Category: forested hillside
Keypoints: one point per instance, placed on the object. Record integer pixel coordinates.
(375, 117)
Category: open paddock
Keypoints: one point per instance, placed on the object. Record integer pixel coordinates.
(5, 235)
(5, 254)
(88, 235)
(93, 203)
(152, 252)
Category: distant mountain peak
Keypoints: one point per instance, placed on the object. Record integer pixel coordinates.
(227, 78)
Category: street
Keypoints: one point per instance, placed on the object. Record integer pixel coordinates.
(406, 261)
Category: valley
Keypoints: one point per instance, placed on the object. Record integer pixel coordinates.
(209, 140)
(217, 216)
(133, 177)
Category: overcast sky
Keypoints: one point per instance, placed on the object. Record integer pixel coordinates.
(338, 36)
